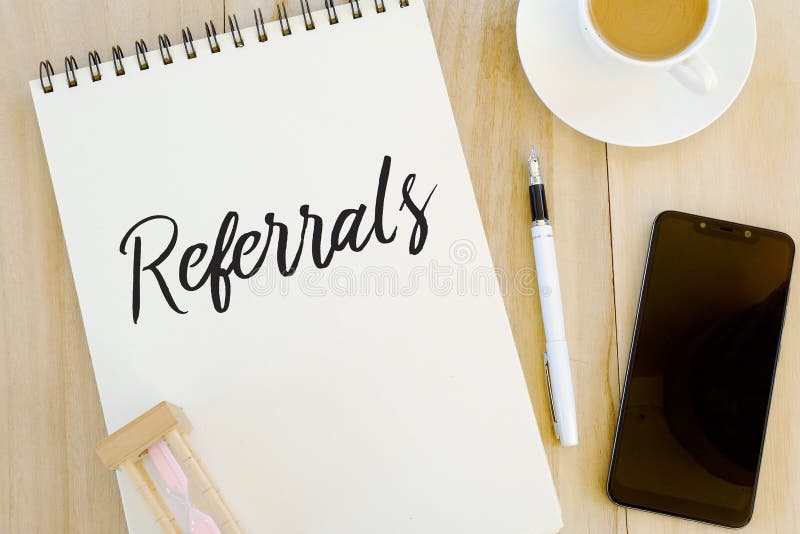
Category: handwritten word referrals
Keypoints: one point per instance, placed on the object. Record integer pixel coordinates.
(224, 258)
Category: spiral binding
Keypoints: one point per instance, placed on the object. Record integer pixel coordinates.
(260, 28)
(69, 69)
(141, 48)
(211, 35)
(163, 47)
(355, 8)
(94, 65)
(331, 9)
(309, 21)
(46, 72)
(188, 43)
(233, 22)
(119, 67)
(286, 28)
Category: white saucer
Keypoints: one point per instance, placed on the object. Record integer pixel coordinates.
(621, 104)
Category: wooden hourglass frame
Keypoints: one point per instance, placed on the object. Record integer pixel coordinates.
(125, 449)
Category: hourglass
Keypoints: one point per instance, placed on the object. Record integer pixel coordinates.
(152, 450)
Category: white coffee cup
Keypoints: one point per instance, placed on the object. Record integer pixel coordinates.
(687, 66)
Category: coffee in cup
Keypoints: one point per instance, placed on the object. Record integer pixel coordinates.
(649, 30)
(662, 34)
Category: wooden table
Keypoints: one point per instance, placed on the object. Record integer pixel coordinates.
(604, 198)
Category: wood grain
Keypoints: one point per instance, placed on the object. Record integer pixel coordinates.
(499, 116)
(50, 418)
(743, 168)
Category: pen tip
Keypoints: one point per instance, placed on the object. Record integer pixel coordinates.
(533, 167)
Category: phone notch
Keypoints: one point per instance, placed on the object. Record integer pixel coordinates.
(727, 230)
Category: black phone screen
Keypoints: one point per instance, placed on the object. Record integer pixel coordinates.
(703, 358)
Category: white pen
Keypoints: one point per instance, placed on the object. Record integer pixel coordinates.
(556, 356)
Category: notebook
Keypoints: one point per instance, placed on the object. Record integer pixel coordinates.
(281, 237)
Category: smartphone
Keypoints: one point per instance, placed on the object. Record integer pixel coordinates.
(703, 358)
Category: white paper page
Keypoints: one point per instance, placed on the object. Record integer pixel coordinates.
(380, 394)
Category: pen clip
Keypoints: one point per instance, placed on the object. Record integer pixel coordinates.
(550, 396)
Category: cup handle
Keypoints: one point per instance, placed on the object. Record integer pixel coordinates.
(696, 74)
